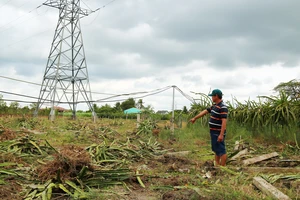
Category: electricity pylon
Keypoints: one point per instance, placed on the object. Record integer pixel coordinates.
(66, 77)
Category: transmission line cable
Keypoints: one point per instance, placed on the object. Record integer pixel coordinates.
(86, 4)
(147, 93)
(38, 84)
(98, 9)
(19, 101)
(20, 95)
(105, 100)
(19, 18)
(100, 100)
(104, 6)
(31, 97)
(134, 93)
(22, 40)
(140, 97)
(185, 95)
(20, 80)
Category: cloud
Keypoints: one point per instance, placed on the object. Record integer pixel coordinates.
(243, 47)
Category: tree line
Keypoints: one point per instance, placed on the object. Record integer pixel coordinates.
(103, 111)
(117, 111)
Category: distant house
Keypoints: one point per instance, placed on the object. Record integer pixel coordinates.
(162, 112)
(60, 109)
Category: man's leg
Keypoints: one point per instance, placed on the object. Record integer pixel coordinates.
(214, 143)
(223, 155)
(223, 159)
(217, 160)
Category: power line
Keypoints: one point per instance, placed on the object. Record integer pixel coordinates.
(24, 3)
(86, 4)
(38, 84)
(31, 97)
(185, 95)
(18, 18)
(92, 11)
(148, 93)
(19, 101)
(140, 97)
(20, 95)
(98, 9)
(19, 80)
(103, 6)
(19, 41)
(134, 93)
(104, 100)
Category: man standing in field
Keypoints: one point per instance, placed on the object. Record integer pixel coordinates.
(217, 125)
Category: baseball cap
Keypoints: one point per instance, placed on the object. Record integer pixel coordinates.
(216, 92)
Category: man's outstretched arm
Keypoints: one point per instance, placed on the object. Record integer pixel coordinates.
(201, 114)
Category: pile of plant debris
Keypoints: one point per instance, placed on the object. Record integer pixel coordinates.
(38, 170)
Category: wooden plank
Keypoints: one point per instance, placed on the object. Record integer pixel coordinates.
(260, 158)
(239, 154)
(269, 189)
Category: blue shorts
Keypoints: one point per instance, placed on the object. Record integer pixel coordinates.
(217, 147)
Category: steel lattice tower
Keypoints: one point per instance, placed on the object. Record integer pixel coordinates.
(66, 77)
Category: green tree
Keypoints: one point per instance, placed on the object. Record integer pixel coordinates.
(129, 103)
(2, 102)
(291, 88)
(140, 103)
(14, 105)
(96, 108)
(118, 107)
(106, 108)
(3, 107)
(25, 110)
(13, 108)
(185, 110)
(33, 106)
(148, 110)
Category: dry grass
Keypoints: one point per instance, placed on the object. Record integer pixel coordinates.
(7, 134)
(68, 162)
(10, 191)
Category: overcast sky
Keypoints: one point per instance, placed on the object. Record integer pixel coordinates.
(243, 47)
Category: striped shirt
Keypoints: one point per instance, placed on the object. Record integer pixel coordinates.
(217, 113)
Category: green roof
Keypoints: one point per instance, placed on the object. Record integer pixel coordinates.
(132, 111)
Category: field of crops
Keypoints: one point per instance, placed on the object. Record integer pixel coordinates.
(275, 118)
(112, 159)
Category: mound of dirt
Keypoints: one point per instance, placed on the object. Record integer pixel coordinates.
(68, 163)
